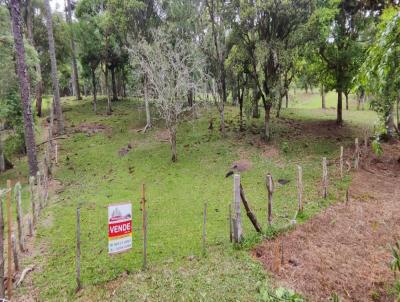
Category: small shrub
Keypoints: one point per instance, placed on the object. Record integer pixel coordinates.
(279, 294)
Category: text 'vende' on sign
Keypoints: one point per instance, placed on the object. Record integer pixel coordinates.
(119, 228)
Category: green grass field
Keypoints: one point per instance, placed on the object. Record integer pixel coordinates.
(94, 175)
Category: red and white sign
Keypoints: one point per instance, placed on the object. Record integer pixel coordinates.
(119, 228)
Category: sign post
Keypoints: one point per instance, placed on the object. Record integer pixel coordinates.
(119, 228)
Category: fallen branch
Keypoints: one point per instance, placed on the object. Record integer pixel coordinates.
(53, 139)
(24, 273)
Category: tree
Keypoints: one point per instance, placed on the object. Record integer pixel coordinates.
(380, 71)
(54, 76)
(172, 69)
(265, 27)
(216, 50)
(24, 87)
(75, 76)
(336, 27)
(90, 46)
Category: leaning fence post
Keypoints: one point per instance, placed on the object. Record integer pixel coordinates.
(2, 288)
(249, 212)
(300, 189)
(9, 243)
(270, 188)
(32, 196)
(356, 154)
(237, 226)
(341, 162)
(78, 249)
(19, 217)
(324, 178)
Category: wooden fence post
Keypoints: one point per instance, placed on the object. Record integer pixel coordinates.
(230, 222)
(15, 253)
(38, 189)
(2, 262)
(144, 226)
(356, 154)
(204, 229)
(324, 178)
(341, 162)
(30, 227)
(270, 188)
(9, 243)
(20, 216)
(237, 221)
(78, 249)
(300, 189)
(32, 196)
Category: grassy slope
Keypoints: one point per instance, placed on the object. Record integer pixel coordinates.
(94, 176)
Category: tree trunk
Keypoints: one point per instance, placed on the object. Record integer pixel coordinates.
(256, 97)
(339, 118)
(287, 98)
(24, 87)
(2, 158)
(223, 84)
(109, 109)
(147, 105)
(398, 112)
(54, 76)
(190, 98)
(75, 76)
(39, 90)
(222, 116)
(278, 112)
(172, 136)
(240, 100)
(38, 69)
(267, 120)
(114, 85)
(390, 122)
(323, 97)
(94, 90)
(346, 94)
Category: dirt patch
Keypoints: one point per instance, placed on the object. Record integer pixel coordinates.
(326, 129)
(345, 249)
(162, 135)
(270, 152)
(242, 165)
(90, 128)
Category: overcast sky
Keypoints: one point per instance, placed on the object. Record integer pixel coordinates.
(57, 5)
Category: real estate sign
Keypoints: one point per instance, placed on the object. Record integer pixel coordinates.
(119, 228)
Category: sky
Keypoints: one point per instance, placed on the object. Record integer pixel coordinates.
(57, 5)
